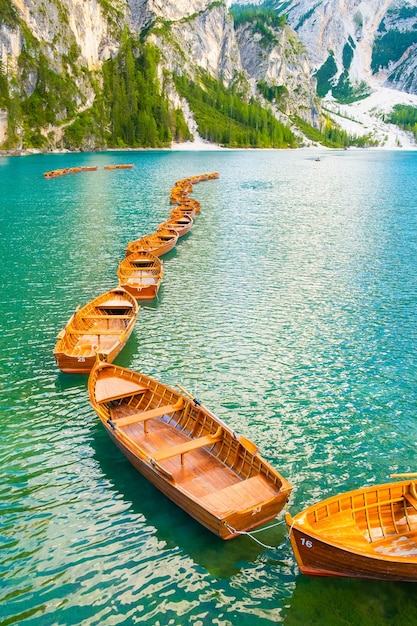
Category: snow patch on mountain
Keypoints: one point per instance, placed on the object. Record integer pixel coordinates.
(365, 117)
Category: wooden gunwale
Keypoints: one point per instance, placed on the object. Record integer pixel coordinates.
(183, 452)
(157, 243)
(95, 329)
(376, 539)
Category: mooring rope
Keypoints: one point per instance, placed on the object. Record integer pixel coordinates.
(251, 533)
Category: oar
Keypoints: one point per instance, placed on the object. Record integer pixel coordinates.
(251, 447)
(409, 475)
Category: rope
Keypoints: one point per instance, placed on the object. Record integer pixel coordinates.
(250, 534)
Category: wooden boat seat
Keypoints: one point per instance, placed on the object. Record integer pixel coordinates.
(99, 316)
(138, 281)
(411, 500)
(92, 332)
(144, 416)
(251, 491)
(182, 448)
(109, 389)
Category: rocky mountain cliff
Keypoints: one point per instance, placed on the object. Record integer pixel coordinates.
(371, 41)
(71, 71)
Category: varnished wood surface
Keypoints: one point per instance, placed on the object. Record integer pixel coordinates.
(185, 451)
(182, 223)
(157, 243)
(141, 274)
(102, 326)
(366, 533)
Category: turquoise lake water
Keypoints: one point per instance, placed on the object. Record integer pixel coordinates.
(290, 310)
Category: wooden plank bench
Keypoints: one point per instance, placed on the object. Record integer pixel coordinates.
(95, 332)
(182, 448)
(242, 495)
(99, 317)
(144, 416)
(411, 500)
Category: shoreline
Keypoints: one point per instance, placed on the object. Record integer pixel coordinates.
(202, 148)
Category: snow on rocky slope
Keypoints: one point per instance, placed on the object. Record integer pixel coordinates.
(346, 28)
(364, 117)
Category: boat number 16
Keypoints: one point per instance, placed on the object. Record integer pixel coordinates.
(306, 542)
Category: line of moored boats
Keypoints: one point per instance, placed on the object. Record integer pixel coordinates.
(213, 473)
(85, 168)
(103, 326)
(180, 446)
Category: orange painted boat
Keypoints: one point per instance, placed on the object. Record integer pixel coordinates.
(190, 202)
(185, 451)
(181, 191)
(158, 243)
(180, 222)
(182, 209)
(366, 533)
(101, 327)
(70, 170)
(141, 275)
(53, 173)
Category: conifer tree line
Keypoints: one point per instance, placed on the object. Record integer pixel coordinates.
(131, 108)
(404, 116)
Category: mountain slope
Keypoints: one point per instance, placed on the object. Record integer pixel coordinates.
(88, 74)
(57, 91)
(367, 39)
(359, 48)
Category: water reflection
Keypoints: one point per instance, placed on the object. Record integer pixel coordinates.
(289, 310)
(170, 525)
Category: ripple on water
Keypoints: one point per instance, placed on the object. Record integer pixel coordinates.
(289, 311)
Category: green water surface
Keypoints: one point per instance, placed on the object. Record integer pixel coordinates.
(290, 310)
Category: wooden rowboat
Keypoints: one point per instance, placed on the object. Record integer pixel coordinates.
(158, 243)
(191, 203)
(70, 170)
(181, 191)
(366, 533)
(101, 327)
(122, 166)
(181, 210)
(181, 222)
(141, 274)
(185, 451)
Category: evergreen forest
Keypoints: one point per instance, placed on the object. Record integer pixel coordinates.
(405, 117)
(224, 117)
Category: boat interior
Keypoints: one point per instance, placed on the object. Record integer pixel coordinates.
(381, 520)
(190, 448)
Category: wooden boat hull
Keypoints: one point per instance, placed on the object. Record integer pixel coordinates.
(181, 223)
(226, 526)
(70, 170)
(158, 243)
(100, 328)
(187, 453)
(141, 275)
(368, 533)
(316, 558)
(182, 210)
(122, 166)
